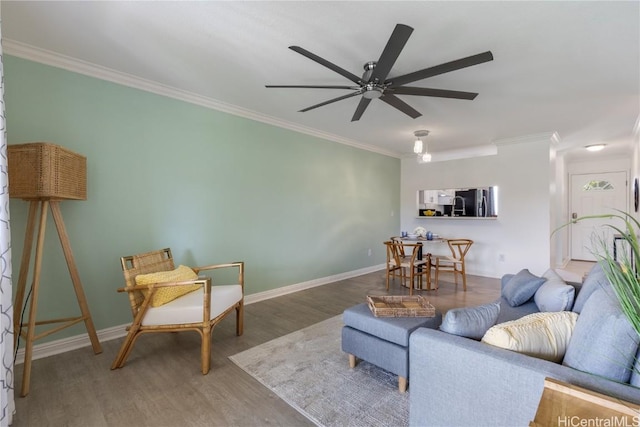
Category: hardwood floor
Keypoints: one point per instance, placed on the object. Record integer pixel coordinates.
(161, 383)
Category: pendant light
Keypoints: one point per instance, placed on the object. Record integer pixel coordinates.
(419, 145)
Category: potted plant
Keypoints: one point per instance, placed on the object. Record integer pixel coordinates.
(623, 273)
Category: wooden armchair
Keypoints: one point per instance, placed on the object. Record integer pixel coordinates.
(199, 309)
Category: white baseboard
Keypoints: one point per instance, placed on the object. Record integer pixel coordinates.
(71, 343)
(260, 296)
(78, 341)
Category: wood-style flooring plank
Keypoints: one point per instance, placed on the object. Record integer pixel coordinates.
(161, 383)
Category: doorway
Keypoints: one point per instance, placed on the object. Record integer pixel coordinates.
(595, 194)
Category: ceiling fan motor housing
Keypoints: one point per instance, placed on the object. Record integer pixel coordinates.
(372, 91)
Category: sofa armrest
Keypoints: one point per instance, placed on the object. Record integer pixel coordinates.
(455, 381)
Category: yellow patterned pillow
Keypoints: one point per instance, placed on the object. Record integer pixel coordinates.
(165, 295)
(542, 335)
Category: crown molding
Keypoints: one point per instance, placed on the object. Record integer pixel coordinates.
(492, 149)
(551, 137)
(460, 153)
(46, 57)
(465, 153)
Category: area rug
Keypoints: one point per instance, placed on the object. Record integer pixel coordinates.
(309, 371)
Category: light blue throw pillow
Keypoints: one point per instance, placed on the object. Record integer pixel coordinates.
(554, 294)
(503, 282)
(471, 322)
(596, 279)
(521, 287)
(604, 342)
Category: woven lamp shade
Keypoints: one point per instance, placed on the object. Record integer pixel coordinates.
(41, 170)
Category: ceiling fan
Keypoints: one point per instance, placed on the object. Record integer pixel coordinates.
(375, 84)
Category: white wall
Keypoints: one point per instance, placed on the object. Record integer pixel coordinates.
(522, 171)
(603, 164)
(560, 205)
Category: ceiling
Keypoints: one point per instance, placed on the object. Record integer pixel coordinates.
(567, 67)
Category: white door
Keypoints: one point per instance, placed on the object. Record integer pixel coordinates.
(595, 194)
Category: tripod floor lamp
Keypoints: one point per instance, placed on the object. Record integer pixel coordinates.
(45, 174)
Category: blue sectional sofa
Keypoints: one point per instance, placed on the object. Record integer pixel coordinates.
(461, 381)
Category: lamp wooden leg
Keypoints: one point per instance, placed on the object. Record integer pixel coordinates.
(33, 307)
(24, 269)
(75, 277)
(19, 303)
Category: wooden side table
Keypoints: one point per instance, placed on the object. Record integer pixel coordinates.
(565, 404)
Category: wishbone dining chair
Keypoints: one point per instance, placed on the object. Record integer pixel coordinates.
(453, 263)
(411, 267)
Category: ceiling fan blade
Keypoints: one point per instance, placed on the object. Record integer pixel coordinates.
(391, 52)
(326, 63)
(362, 105)
(396, 102)
(313, 87)
(440, 93)
(340, 98)
(442, 68)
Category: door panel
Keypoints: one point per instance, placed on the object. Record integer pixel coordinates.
(595, 194)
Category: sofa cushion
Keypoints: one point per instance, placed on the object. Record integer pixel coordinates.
(541, 335)
(604, 342)
(471, 322)
(167, 294)
(521, 287)
(508, 313)
(596, 279)
(393, 329)
(554, 294)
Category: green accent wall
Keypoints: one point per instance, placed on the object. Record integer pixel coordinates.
(212, 186)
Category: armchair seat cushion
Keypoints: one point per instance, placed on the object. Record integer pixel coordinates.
(188, 308)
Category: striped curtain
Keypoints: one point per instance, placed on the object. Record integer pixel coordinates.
(7, 404)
